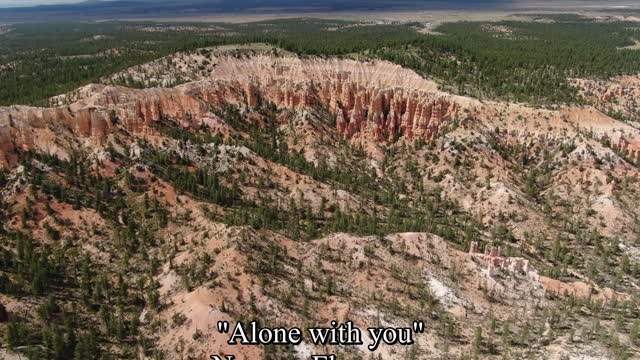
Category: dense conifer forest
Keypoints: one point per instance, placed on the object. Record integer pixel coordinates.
(526, 61)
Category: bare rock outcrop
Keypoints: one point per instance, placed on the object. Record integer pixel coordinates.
(628, 147)
(7, 150)
(376, 100)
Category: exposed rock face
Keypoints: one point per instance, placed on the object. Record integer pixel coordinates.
(102, 108)
(580, 290)
(617, 96)
(493, 259)
(630, 147)
(7, 156)
(623, 137)
(377, 100)
(555, 287)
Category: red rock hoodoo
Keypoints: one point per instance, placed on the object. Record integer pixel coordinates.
(377, 100)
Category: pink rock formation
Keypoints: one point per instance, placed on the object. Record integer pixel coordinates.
(7, 150)
(630, 147)
(94, 117)
(555, 287)
(494, 260)
(552, 287)
(379, 101)
(614, 92)
(580, 290)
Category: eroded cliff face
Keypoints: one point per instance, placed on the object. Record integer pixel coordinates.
(7, 150)
(373, 101)
(380, 113)
(618, 94)
(102, 108)
(378, 101)
(617, 97)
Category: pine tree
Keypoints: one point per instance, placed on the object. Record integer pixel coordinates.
(4, 315)
(634, 334)
(477, 342)
(87, 347)
(15, 334)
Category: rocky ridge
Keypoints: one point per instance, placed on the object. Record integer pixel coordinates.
(377, 100)
(372, 101)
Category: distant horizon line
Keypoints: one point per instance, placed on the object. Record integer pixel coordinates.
(38, 3)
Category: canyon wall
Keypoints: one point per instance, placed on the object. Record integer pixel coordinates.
(378, 100)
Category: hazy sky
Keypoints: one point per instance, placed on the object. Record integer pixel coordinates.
(10, 3)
